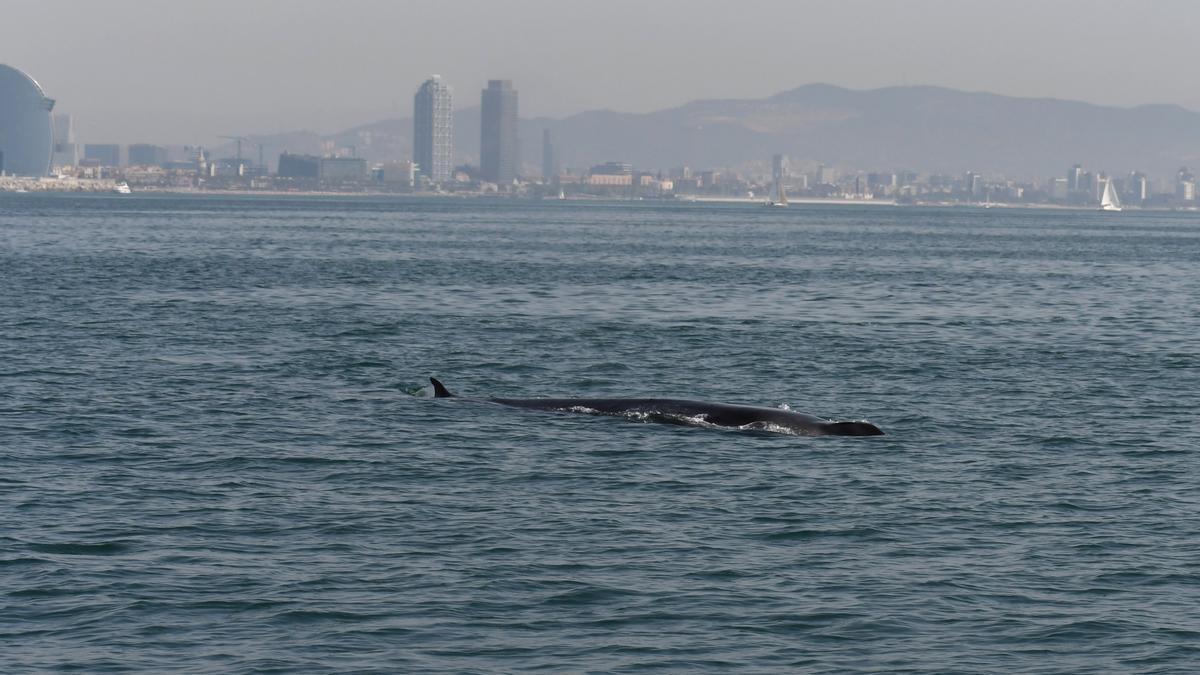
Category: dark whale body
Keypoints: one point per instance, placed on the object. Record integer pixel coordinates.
(683, 411)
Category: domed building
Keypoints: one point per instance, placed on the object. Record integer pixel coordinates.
(26, 138)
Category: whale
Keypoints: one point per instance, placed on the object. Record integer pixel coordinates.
(687, 412)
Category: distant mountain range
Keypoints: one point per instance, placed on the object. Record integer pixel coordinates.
(925, 129)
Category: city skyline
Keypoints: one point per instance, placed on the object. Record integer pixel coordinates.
(366, 140)
(499, 158)
(184, 71)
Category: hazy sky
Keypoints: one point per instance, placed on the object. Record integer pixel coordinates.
(177, 71)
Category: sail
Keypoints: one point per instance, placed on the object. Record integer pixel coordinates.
(1110, 202)
(777, 197)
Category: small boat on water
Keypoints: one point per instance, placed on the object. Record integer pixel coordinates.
(1109, 201)
(122, 188)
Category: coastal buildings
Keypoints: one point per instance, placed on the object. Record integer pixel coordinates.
(1139, 188)
(550, 162)
(779, 168)
(102, 154)
(386, 158)
(66, 149)
(1185, 185)
(26, 136)
(145, 154)
(400, 175)
(433, 130)
(499, 158)
(299, 166)
(1075, 179)
(973, 184)
(322, 169)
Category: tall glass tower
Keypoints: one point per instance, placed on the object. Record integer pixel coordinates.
(433, 130)
(498, 158)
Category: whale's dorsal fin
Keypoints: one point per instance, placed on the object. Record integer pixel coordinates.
(439, 389)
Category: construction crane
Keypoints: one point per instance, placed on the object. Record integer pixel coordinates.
(239, 140)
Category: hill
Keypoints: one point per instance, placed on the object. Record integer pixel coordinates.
(928, 129)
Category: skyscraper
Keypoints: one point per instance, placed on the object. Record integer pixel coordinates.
(1075, 178)
(972, 183)
(66, 150)
(1139, 187)
(550, 165)
(498, 133)
(1185, 185)
(779, 167)
(433, 130)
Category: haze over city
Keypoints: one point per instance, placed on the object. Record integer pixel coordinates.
(139, 71)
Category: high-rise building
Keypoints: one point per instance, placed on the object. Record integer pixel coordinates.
(103, 154)
(1093, 185)
(972, 183)
(498, 159)
(1139, 187)
(1058, 188)
(433, 130)
(550, 163)
(881, 180)
(145, 154)
(826, 175)
(66, 150)
(299, 166)
(1075, 178)
(779, 167)
(1185, 185)
(26, 136)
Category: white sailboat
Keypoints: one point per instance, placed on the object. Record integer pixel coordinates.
(1109, 201)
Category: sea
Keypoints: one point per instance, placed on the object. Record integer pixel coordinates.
(220, 452)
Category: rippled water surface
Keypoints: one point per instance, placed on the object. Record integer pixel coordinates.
(220, 452)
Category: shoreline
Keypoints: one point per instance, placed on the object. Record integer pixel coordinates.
(30, 186)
